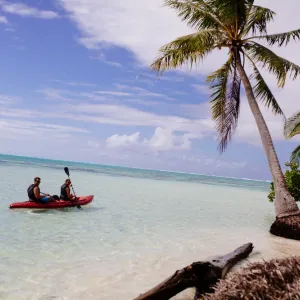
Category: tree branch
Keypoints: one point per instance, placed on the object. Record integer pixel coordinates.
(202, 275)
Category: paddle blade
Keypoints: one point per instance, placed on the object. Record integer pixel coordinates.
(67, 171)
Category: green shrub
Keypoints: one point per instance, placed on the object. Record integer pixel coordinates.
(292, 178)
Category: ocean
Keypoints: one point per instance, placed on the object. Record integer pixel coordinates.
(142, 226)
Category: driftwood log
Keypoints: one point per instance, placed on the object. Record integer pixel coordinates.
(201, 275)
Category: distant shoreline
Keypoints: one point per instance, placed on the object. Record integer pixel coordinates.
(126, 167)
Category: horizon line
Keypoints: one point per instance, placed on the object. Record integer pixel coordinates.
(135, 168)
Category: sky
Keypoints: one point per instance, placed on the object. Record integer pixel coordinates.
(76, 85)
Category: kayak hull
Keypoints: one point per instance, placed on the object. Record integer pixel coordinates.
(83, 200)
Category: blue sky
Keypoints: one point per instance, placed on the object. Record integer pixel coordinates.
(75, 84)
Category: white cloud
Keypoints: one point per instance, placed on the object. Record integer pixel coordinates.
(142, 92)
(201, 88)
(102, 95)
(125, 115)
(73, 83)
(29, 129)
(143, 102)
(112, 93)
(56, 94)
(93, 144)
(163, 139)
(9, 100)
(196, 111)
(19, 113)
(132, 150)
(27, 11)
(69, 96)
(138, 26)
(3, 20)
(143, 27)
(73, 106)
(116, 140)
(85, 84)
(103, 58)
(247, 130)
(213, 162)
(151, 77)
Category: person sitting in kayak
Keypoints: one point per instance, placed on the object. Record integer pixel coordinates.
(34, 193)
(65, 191)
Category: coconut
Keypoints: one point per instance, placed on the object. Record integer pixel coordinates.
(274, 279)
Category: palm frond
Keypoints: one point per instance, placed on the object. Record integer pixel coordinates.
(292, 126)
(242, 7)
(257, 20)
(186, 49)
(262, 91)
(275, 64)
(197, 14)
(295, 155)
(280, 38)
(225, 101)
(249, 4)
(232, 13)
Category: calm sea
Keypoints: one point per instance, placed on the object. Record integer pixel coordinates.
(141, 227)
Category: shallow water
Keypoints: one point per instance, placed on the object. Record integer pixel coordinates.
(139, 229)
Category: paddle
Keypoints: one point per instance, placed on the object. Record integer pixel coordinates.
(68, 174)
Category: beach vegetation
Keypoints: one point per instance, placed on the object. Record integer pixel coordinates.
(292, 178)
(292, 128)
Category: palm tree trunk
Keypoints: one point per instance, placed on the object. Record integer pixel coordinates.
(285, 204)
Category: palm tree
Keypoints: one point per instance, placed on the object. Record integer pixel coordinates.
(236, 25)
(292, 128)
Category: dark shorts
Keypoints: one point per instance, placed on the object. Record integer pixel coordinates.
(45, 199)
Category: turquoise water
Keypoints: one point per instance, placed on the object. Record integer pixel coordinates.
(135, 172)
(140, 228)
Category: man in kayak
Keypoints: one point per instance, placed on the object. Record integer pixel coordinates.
(65, 191)
(34, 193)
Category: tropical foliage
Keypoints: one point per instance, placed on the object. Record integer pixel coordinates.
(292, 128)
(292, 178)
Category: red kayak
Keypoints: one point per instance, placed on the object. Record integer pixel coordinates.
(83, 200)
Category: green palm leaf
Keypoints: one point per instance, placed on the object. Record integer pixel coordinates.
(197, 14)
(295, 155)
(234, 12)
(262, 91)
(225, 101)
(292, 126)
(275, 64)
(241, 12)
(280, 38)
(186, 49)
(257, 20)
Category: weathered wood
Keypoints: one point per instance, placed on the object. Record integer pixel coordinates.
(202, 275)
